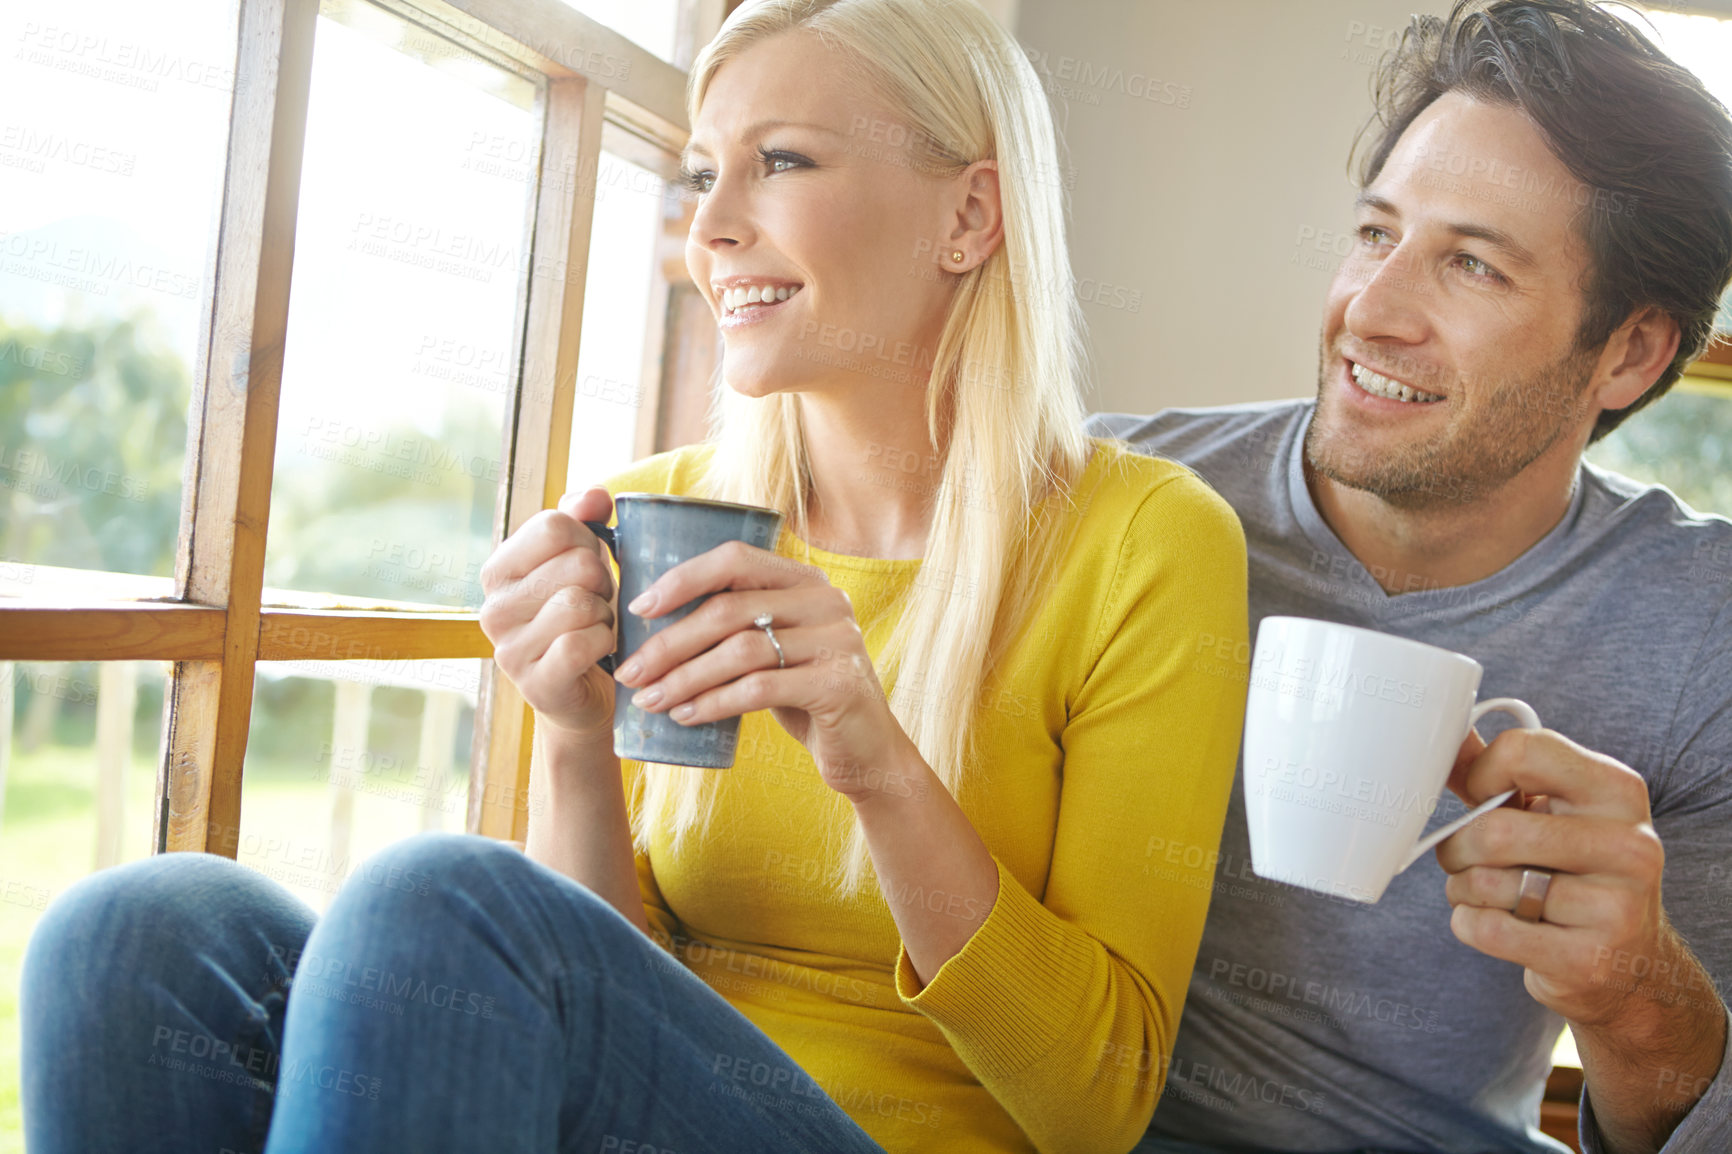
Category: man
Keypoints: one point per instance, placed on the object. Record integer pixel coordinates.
(1545, 229)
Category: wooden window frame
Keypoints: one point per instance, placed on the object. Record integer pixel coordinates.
(597, 89)
(1715, 364)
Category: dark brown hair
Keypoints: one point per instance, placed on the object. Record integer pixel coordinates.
(1653, 147)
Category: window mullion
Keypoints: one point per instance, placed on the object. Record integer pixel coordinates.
(541, 426)
(208, 707)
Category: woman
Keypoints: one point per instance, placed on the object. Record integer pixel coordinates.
(848, 953)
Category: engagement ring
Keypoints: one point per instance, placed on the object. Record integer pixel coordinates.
(762, 621)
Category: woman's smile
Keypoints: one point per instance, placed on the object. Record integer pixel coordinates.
(747, 300)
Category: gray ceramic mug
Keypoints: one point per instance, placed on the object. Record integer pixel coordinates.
(656, 532)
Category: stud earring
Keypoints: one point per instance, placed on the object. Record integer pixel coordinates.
(956, 256)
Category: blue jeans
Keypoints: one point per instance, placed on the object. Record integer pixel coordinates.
(456, 996)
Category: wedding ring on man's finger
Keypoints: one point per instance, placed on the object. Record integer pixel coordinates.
(762, 621)
(1531, 902)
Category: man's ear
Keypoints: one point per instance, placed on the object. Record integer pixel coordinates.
(1635, 356)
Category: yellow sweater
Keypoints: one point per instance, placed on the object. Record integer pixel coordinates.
(1106, 744)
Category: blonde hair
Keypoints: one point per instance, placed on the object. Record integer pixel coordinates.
(1002, 399)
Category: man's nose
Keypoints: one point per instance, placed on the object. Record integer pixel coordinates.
(1392, 300)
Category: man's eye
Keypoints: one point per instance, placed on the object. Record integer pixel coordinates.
(1477, 268)
(1372, 234)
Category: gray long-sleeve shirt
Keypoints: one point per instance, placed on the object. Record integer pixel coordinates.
(1319, 1024)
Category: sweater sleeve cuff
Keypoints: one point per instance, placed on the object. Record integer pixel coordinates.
(1012, 991)
(1708, 1125)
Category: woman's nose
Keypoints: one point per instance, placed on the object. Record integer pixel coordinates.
(722, 216)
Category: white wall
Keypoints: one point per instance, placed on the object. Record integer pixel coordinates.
(1005, 11)
(1187, 222)
(1207, 217)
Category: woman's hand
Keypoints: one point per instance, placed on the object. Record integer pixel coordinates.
(549, 613)
(716, 663)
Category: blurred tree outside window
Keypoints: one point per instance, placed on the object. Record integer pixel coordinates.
(1684, 440)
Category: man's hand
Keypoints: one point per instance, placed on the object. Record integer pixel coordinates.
(1585, 818)
(1644, 1012)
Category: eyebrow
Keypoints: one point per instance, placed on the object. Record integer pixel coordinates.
(1495, 237)
(693, 148)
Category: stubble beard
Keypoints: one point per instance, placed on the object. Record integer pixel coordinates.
(1514, 423)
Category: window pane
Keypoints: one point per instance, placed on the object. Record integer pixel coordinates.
(346, 757)
(78, 752)
(1565, 1053)
(1703, 44)
(651, 24)
(411, 258)
(1682, 441)
(624, 311)
(112, 142)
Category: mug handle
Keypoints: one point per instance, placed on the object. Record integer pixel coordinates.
(605, 533)
(1528, 719)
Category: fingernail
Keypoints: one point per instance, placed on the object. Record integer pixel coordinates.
(643, 602)
(629, 672)
(684, 712)
(644, 698)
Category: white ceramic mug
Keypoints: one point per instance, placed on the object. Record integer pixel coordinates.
(1350, 735)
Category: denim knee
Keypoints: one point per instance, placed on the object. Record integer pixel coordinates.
(180, 958)
(430, 864)
(180, 927)
(162, 900)
(417, 864)
(456, 884)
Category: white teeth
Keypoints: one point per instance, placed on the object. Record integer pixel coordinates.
(1379, 385)
(737, 298)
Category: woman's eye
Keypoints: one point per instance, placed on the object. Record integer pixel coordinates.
(776, 160)
(697, 181)
(1372, 234)
(704, 180)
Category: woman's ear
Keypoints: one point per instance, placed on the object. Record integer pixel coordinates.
(978, 227)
